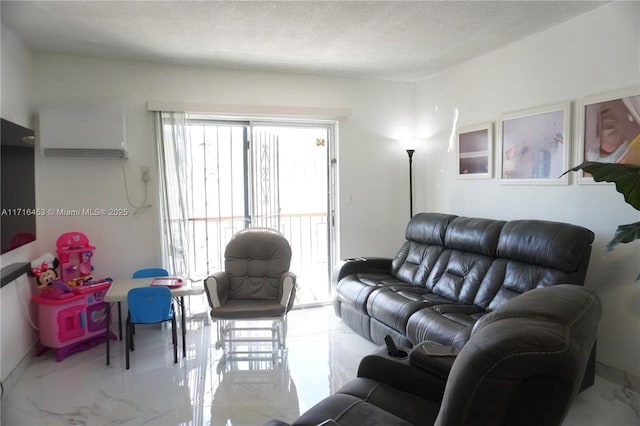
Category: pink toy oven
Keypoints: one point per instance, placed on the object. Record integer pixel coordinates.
(75, 323)
(74, 253)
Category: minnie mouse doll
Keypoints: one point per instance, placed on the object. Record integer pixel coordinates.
(44, 270)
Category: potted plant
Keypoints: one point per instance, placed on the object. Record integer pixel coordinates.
(626, 177)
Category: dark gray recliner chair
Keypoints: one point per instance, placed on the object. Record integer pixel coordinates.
(256, 285)
(522, 366)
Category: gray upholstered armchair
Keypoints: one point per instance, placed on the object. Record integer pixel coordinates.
(256, 285)
(523, 366)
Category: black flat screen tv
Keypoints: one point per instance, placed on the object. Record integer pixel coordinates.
(18, 209)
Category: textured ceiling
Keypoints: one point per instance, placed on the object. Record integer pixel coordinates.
(391, 40)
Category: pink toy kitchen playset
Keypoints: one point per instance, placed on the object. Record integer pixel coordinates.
(72, 312)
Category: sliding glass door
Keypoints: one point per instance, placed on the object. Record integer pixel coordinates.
(264, 174)
(304, 202)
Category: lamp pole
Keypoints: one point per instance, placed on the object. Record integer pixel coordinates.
(410, 154)
(410, 146)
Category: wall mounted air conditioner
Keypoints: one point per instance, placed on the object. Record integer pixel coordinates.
(83, 130)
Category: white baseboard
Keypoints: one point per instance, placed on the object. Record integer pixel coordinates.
(18, 371)
(620, 377)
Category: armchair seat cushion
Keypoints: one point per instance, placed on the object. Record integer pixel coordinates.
(405, 405)
(393, 306)
(447, 324)
(348, 410)
(365, 402)
(249, 309)
(355, 289)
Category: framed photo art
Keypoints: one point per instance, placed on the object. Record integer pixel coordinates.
(475, 151)
(609, 129)
(534, 145)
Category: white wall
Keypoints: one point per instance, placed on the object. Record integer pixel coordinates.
(16, 81)
(17, 337)
(594, 53)
(371, 165)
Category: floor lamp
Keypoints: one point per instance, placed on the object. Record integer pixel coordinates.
(410, 146)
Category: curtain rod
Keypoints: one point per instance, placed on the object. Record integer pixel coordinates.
(253, 110)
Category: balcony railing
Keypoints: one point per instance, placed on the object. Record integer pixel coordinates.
(307, 233)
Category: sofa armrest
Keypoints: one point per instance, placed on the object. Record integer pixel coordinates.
(433, 358)
(400, 374)
(361, 264)
(276, 423)
(217, 288)
(328, 422)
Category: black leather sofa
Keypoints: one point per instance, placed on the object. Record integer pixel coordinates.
(522, 366)
(451, 271)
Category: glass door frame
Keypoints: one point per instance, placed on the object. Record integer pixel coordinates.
(331, 127)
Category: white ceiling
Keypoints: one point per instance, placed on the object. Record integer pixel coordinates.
(390, 40)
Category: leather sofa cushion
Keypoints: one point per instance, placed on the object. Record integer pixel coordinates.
(457, 275)
(393, 308)
(550, 244)
(414, 261)
(407, 406)
(420, 294)
(355, 289)
(474, 235)
(428, 228)
(447, 324)
(425, 236)
(365, 402)
(537, 307)
(347, 410)
(507, 279)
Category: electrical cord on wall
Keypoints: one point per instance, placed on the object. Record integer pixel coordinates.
(26, 309)
(144, 204)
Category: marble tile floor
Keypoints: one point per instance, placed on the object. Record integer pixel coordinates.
(323, 355)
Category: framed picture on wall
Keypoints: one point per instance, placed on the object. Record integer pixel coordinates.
(534, 145)
(475, 151)
(609, 129)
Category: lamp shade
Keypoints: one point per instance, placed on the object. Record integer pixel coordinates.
(409, 143)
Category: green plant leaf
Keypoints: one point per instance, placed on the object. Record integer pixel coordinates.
(625, 176)
(627, 180)
(624, 234)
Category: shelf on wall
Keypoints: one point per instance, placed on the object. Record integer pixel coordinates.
(13, 271)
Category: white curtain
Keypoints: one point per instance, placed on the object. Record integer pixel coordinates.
(174, 156)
